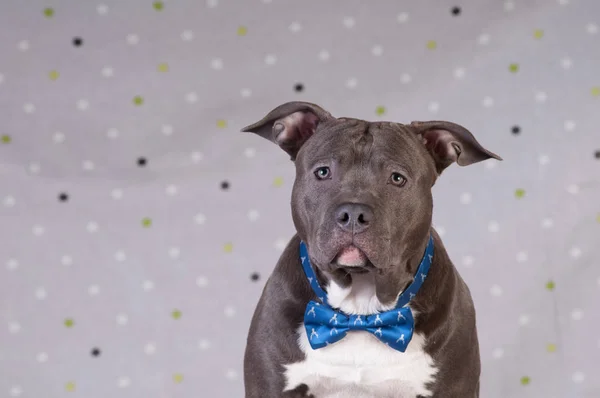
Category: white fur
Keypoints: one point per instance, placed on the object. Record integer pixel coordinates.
(360, 365)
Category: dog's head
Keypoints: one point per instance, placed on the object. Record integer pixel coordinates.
(362, 197)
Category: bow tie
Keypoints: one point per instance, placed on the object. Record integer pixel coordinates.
(326, 325)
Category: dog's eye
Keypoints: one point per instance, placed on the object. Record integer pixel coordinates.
(323, 173)
(398, 179)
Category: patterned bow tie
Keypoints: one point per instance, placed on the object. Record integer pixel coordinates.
(325, 325)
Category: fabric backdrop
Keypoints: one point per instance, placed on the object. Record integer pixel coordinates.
(138, 226)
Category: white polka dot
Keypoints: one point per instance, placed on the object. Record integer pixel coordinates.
(150, 348)
(577, 314)
(563, 2)
(509, 5)
(541, 97)
(58, 137)
(1, 78)
(591, 28)
(522, 257)
(120, 256)
(578, 377)
(88, 165)
(245, 92)
(352, 83)
(270, 59)
(29, 108)
(231, 374)
(523, 320)
(212, 3)
(204, 344)
(9, 201)
(38, 230)
(174, 252)
(107, 71)
(440, 230)
(349, 22)
(216, 63)
(468, 261)
(171, 190)
(544, 160)
(191, 97)
(402, 17)
(83, 104)
(187, 35)
(573, 189)
(496, 291)
(14, 327)
(93, 290)
(23, 45)
(112, 133)
(91, 227)
(493, 226)
(132, 39)
(566, 63)
(575, 252)
(200, 218)
(12, 264)
(16, 391)
(598, 281)
(459, 73)
(66, 260)
(498, 353)
(201, 281)
(34, 168)
(122, 319)
(229, 311)
(123, 382)
(570, 125)
(405, 78)
(42, 357)
(196, 156)
(40, 293)
(324, 55)
(295, 27)
(147, 285)
(377, 50)
(116, 194)
(280, 244)
(547, 223)
(433, 107)
(483, 39)
(488, 102)
(167, 129)
(465, 198)
(102, 9)
(267, 1)
(253, 215)
(249, 152)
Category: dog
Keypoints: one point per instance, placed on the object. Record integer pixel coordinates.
(364, 301)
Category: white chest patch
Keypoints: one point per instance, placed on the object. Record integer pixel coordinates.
(360, 365)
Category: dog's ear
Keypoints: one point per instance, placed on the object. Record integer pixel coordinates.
(449, 142)
(290, 125)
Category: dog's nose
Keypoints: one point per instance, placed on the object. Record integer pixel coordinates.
(354, 217)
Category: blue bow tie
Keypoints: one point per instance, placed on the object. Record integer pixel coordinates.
(325, 325)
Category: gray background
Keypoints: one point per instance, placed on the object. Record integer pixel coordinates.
(70, 125)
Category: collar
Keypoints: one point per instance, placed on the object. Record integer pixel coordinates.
(406, 295)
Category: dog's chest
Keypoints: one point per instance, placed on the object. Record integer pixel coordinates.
(359, 365)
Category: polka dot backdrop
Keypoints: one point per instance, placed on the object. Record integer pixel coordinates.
(139, 227)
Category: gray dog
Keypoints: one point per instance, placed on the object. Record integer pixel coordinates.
(364, 301)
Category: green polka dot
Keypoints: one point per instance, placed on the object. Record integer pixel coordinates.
(513, 68)
(69, 322)
(158, 5)
(551, 347)
(278, 182)
(146, 222)
(177, 378)
(164, 67)
(49, 12)
(598, 218)
(595, 91)
(228, 247)
(6, 139)
(137, 100)
(519, 193)
(380, 110)
(525, 380)
(176, 314)
(432, 44)
(550, 285)
(538, 33)
(53, 75)
(70, 386)
(242, 31)
(221, 123)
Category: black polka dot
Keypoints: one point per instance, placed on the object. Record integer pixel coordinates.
(597, 154)
(78, 41)
(96, 352)
(63, 197)
(299, 87)
(255, 276)
(225, 185)
(142, 162)
(455, 11)
(515, 130)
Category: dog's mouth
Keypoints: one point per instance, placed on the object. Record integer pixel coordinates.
(352, 260)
